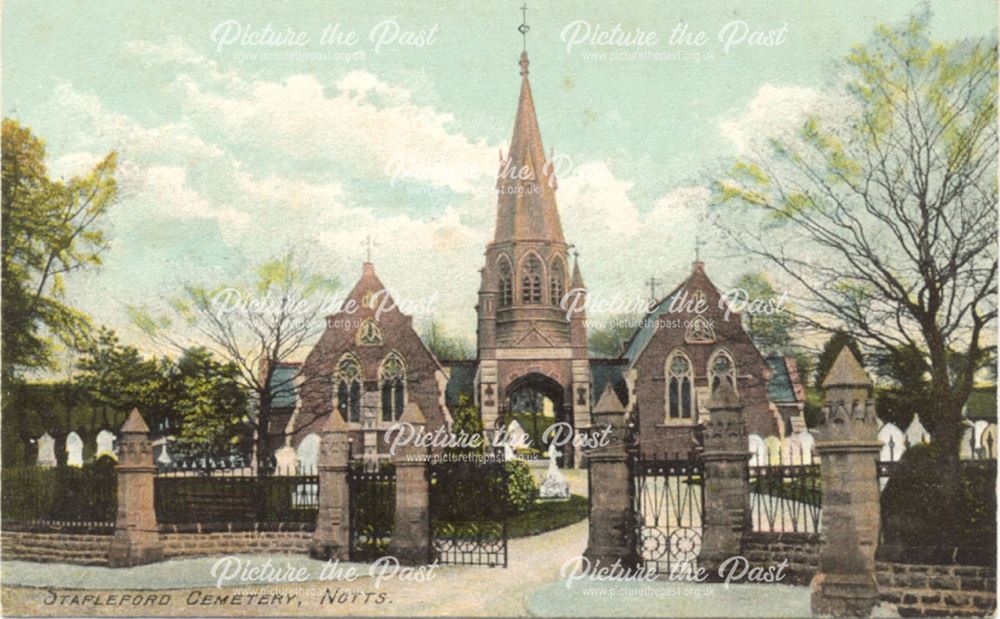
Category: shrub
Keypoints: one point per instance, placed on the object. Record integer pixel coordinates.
(521, 488)
(912, 526)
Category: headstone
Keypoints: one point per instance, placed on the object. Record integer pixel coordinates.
(773, 444)
(105, 443)
(307, 453)
(808, 444)
(967, 446)
(758, 450)
(164, 457)
(893, 442)
(517, 438)
(74, 449)
(286, 459)
(916, 434)
(46, 450)
(554, 486)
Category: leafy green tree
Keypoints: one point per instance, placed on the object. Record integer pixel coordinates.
(893, 204)
(609, 340)
(771, 332)
(467, 422)
(197, 397)
(49, 229)
(445, 346)
(212, 406)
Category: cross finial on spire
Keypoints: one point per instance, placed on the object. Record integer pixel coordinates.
(523, 29)
(698, 242)
(369, 244)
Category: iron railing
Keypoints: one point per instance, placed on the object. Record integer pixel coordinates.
(65, 498)
(186, 496)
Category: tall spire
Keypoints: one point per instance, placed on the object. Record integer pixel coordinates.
(526, 182)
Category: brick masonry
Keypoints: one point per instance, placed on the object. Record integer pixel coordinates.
(179, 541)
(915, 590)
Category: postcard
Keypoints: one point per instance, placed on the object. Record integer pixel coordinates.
(499, 309)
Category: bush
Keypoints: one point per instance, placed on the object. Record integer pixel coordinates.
(521, 488)
(912, 527)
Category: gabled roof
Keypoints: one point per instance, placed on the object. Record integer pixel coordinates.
(784, 385)
(282, 385)
(642, 335)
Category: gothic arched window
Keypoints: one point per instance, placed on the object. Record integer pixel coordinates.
(348, 381)
(531, 281)
(680, 387)
(557, 282)
(721, 368)
(392, 379)
(506, 283)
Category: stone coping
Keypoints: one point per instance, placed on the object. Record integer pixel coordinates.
(985, 555)
(237, 527)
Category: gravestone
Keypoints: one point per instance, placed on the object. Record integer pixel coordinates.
(74, 449)
(286, 459)
(554, 486)
(307, 453)
(517, 438)
(46, 450)
(105, 443)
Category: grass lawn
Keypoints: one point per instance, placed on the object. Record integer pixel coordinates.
(546, 516)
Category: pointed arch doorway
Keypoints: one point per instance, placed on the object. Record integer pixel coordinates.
(537, 401)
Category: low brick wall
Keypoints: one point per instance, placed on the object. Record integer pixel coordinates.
(196, 540)
(801, 550)
(201, 540)
(938, 590)
(916, 590)
(55, 547)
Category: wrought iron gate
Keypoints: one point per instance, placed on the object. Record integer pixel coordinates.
(668, 502)
(468, 523)
(373, 508)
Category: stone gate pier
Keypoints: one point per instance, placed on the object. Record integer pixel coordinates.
(847, 444)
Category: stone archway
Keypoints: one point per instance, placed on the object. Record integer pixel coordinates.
(538, 401)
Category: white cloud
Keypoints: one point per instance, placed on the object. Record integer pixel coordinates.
(777, 111)
(367, 123)
(97, 128)
(595, 204)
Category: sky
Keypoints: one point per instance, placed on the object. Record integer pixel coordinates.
(247, 129)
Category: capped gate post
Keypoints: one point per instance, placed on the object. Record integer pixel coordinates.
(411, 531)
(848, 446)
(137, 537)
(331, 539)
(726, 478)
(611, 537)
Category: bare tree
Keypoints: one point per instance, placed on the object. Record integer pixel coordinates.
(886, 216)
(259, 325)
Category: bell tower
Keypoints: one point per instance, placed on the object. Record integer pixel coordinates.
(524, 323)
